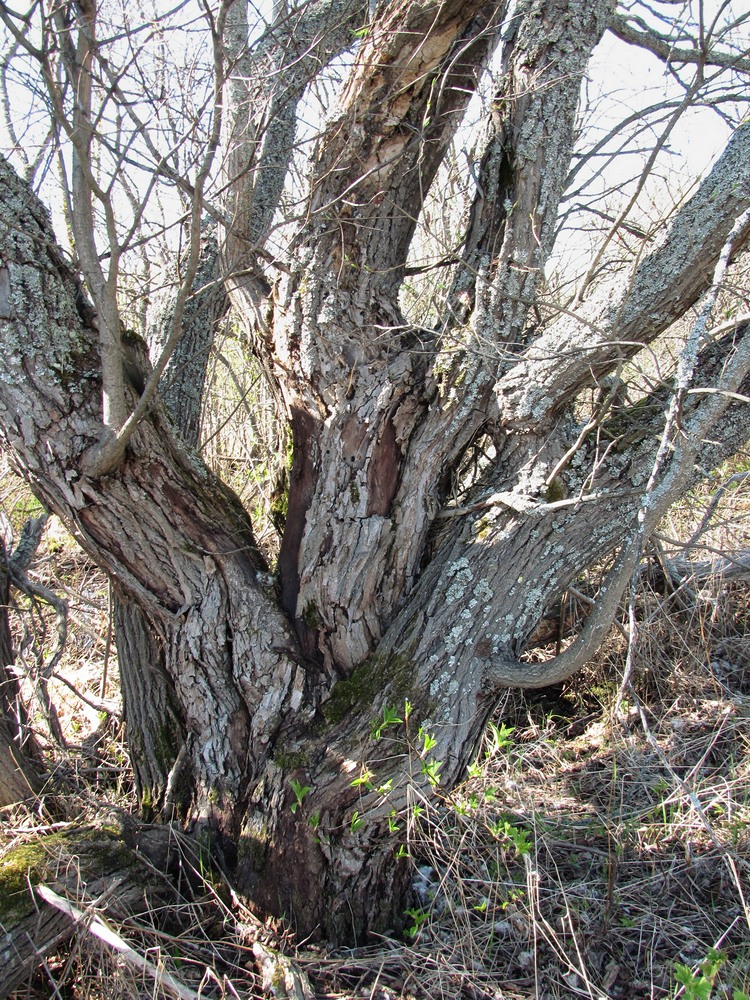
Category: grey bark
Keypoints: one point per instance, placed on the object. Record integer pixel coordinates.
(155, 723)
(21, 763)
(393, 599)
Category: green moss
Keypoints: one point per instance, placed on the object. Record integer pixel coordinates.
(354, 493)
(147, 804)
(378, 674)
(252, 853)
(557, 490)
(279, 509)
(291, 760)
(97, 853)
(311, 616)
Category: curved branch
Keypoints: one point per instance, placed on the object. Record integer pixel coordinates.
(668, 52)
(625, 315)
(673, 471)
(507, 672)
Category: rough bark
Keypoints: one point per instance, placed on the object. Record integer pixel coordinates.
(20, 778)
(155, 723)
(173, 536)
(401, 610)
(20, 760)
(374, 431)
(155, 726)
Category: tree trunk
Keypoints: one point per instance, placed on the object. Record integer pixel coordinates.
(20, 761)
(314, 718)
(155, 724)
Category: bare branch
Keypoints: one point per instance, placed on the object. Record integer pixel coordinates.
(669, 52)
(619, 320)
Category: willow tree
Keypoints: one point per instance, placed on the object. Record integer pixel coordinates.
(452, 469)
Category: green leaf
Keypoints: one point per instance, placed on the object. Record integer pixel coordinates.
(300, 791)
(390, 718)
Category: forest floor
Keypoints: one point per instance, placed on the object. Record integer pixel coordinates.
(599, 847)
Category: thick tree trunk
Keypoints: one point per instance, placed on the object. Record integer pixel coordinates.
(155, 726)
(154, 722)
(313, 720)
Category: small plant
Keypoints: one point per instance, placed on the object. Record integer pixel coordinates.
(500, 738)
(699, 985)
(364, 779)
(517, 835)
(356, 822)
(418, 916)
(390, 718)
(300, 791)
(431, 771)
(428, 742)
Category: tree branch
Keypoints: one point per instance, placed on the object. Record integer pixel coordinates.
(379, 158)
(666, 50)
(522, 171)
(623, 316)
(271, 75)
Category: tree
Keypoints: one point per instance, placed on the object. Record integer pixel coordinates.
(451, 471)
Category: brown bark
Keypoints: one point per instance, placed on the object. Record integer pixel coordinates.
(398, 602)
(20, 779)
(154, 725)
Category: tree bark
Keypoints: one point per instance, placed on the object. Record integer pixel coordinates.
(153, 718)
(314, 718)
(20, 760)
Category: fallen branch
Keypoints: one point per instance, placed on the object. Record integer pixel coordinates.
(96, 926)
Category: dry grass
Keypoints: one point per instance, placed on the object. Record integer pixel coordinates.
(601, 839)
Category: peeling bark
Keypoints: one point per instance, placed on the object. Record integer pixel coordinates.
(397, 600)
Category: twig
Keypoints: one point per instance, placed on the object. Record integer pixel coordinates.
(98, 704)
(94, 925)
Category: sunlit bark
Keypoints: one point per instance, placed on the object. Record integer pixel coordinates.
(295, 707)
